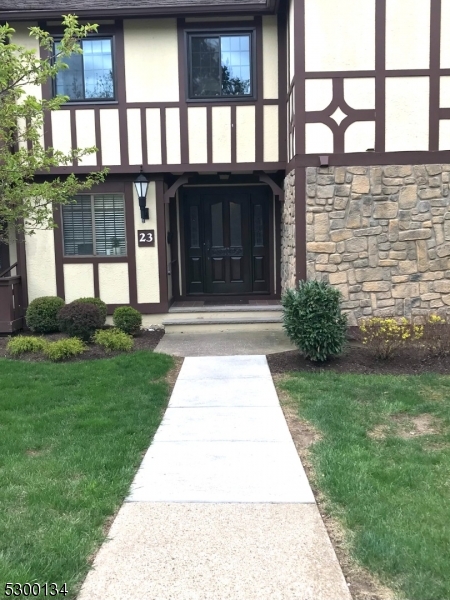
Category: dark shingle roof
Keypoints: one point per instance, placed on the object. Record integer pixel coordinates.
(111, 7)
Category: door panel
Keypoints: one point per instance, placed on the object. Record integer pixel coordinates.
(227, 240)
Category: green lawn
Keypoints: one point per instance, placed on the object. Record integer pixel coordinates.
(71, 438)
(391, 494)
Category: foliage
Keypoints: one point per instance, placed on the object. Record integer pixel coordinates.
(113, 340)
(385, 336)
(127, 319)
(63, 349)
(42, 313)
(72, 436)
(21, 125)
(25, 343)
(313, 320)
(436, 336)
(98, 303)
(78, 319)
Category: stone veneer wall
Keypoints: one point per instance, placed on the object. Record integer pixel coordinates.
(382, 236)
(288, 256)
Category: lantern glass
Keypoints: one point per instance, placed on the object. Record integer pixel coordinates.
(141, 185)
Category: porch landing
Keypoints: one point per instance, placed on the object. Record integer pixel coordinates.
(225, 343)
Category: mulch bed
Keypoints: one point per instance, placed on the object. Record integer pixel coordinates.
(357, 358)
(146, 340)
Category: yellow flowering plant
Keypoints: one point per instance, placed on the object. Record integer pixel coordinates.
(387, 335)
(437, 336)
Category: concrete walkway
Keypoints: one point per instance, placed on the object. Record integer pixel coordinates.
(221, 507)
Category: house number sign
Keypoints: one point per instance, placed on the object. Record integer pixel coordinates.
(146, 237)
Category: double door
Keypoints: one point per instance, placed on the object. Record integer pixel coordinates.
(227, 240)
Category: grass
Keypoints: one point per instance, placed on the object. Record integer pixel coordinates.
(71, 438)
(391, 492)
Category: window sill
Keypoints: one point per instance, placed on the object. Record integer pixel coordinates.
(223, 100)
(69, 104)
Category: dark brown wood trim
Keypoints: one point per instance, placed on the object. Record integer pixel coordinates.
(282, 85)
(300, 224)
(259, 107)
(172, 190)
(121, 91)
(183, 79)
(95, 260)
(59, 252)
(182, 253)
(163, 138)
(98, 137)
(21, 248)
(233, 139)
(174, 248)
(380, 79)
(209, 134)
(435, 79)
(364, 74)
(96, 280)
(374, 158)
(162, 248)
(73, 133)
(299, 63)
(131, 246)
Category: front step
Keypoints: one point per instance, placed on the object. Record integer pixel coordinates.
(205, 321)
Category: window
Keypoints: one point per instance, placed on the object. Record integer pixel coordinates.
(89, 76)
(95, 225)
(220, 65)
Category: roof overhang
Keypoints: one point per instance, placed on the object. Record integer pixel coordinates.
(246, 8)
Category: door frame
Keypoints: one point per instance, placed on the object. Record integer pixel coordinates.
(274, 248)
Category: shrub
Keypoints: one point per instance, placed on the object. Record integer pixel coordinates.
(127, 319)
(313, 320)
(78, 319)
(25, 343)
(113, 339)
(96, 302)
(386, 336)
(63, 349)
(42, 314)
(436, 336)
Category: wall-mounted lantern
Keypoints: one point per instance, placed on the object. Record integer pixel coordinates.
(141, 185)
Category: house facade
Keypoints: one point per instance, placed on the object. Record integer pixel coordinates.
(282, 140)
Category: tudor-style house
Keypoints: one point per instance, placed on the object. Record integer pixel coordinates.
(281, 140)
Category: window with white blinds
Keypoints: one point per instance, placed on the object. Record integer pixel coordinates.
(94, 225)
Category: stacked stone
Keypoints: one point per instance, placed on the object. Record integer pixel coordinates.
(288, 260)
(382, 236)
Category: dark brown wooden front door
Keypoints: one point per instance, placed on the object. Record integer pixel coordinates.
(227, 240)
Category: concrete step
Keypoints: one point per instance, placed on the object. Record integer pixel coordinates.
(198, 323)
(245, 308)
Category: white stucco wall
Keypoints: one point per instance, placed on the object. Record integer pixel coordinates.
(245, 134)
(78, 281)
(110, 136)
(134, 136)
(318, 94)
(41, 268)
(113, 283)
(197, 132)
(85, 127)
(339, 35)
(221, 124)
(147, 268)
(173, 136)
(154, 152)
(270, 57)
(360, 136)
(271, 153)
(359, 93)
(407, 34)
(318, 139)
(151, 60)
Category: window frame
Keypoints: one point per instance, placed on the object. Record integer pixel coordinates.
(114, 100)
(223, 31)
(94, 237)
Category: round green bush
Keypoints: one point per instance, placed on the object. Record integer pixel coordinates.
(313, 320)
(42, 313)
(127, 319)
(96, 302)
(80, 320)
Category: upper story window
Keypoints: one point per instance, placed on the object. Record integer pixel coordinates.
(89, 76)
(94, 225)
(220, 65)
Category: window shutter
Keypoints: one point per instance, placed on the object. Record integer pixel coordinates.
(77, 227)
(109, 212)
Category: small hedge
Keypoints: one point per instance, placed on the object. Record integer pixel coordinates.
(313, 320)
(63, 349)
(113, 340)
(42, 313)
(78, 319)
(127, 319)
(25, 343)
(98, 303)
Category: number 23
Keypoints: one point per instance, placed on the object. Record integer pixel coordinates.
(146, 238)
